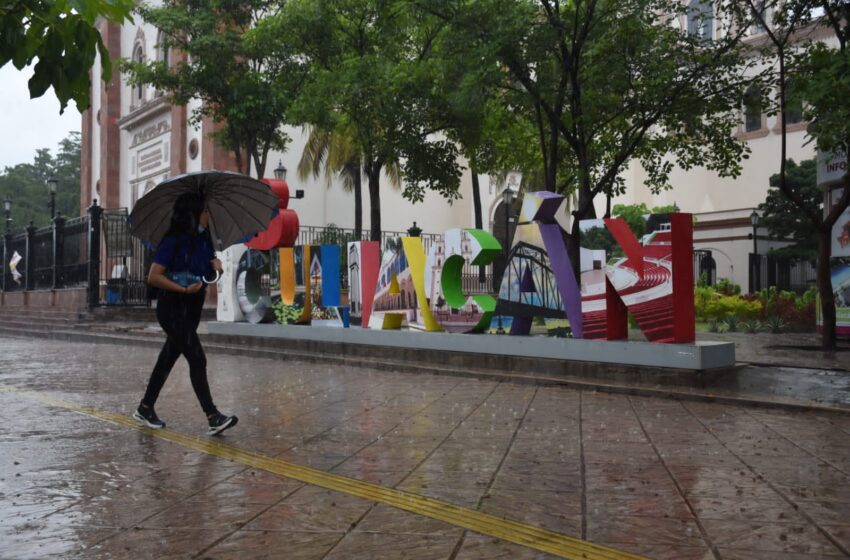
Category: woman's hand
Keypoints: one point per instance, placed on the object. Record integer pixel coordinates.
(194, 288)
(216, 264)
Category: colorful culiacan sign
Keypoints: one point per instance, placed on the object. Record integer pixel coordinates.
(408, 287)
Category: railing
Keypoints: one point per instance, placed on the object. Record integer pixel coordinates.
(72, 263)
(97, 252)
(784, 273)
(15, 244)
(42, 272)
(123, 277)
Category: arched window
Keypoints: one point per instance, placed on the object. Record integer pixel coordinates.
(752, 108)
(701, 19)
(138, 89)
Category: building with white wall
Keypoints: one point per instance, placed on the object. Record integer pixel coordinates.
(133, 139)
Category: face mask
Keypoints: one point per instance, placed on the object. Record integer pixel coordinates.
(201, 228)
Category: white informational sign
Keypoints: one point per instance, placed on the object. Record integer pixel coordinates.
(841, 230)
(831, 168)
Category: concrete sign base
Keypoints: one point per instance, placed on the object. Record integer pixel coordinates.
(698, 356)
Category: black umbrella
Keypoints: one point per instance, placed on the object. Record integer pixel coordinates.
(239, 206)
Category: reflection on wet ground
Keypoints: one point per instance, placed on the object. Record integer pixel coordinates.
(663, 478)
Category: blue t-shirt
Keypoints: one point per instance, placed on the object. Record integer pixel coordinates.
(194, 253)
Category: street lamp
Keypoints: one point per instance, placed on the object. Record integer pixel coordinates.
(414, 231)
(280, 175)
(754, 219)
(52, 184)
(7, 207)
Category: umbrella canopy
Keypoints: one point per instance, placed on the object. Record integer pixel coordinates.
(239, 206)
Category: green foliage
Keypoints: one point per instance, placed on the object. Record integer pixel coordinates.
(775, 324)
(26, 184)
(62, 39)
(601, 238)
(713, 306)
(727, 287)
(731, 323)
(751, 326)
(243, 86)
(796, 313)
(287, 314)
(599, 84)
(783, 218)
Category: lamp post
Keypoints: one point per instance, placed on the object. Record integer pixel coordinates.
(280, 175)
(507, 202)
(754, 219)
(52, 184)
(7, 207)
(414, 231)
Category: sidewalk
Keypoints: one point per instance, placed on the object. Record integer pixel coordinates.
(667, 479)
(765, 375)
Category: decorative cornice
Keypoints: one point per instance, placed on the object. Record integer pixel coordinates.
(150, 132)
(146, 112)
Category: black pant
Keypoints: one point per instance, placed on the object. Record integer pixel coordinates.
(179, 315)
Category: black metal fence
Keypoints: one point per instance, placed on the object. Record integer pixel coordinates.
(705, 269)
(94, 251)
(784, 273)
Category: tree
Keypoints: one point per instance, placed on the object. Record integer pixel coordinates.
(605, 83)
(370, 77)
(26, 184)
(211, 58)
(336, 155)
(821, 77)
(63, 38)
(783, 218)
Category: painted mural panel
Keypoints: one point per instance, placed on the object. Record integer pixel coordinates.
(394, 304)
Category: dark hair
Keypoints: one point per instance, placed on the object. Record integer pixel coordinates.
(187, 214)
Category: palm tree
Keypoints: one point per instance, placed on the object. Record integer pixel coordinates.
(336, 154)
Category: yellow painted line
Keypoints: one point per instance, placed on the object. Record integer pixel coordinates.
(505, 529)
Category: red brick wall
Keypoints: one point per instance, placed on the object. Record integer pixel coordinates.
(110, 134)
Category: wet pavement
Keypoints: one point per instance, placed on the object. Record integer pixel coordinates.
(658, 477)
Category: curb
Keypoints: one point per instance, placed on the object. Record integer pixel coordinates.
(155, 340)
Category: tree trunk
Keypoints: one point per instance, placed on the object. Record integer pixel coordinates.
(476, 200)
(358, 204)
(827, 298)
(373, 173)
(584, 211)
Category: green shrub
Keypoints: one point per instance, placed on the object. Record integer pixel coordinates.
(751, 326)
(710, 305)
(731, 323)
(727, 287)
(287, 314)
(775, 324)
(714, 326)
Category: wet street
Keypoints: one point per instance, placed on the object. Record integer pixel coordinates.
(457, 467)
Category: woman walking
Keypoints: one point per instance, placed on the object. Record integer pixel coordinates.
(183, 258)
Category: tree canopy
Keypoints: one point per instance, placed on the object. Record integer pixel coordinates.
(62, 40)
(782, 217)
(26, 184)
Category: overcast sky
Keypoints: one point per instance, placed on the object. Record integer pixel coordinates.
(28, 124)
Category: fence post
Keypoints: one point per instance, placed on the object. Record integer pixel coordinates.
(5, 261)
(29, 264)
(95, 212)
(58, 249)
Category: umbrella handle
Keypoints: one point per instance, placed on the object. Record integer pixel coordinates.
(217, 278)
